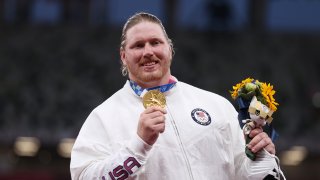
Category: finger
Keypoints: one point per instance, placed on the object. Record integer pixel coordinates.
(264, 143)
(271, 148)
(155, 108)
(259, 142)
(159, 127)
(257, 139)
(156, 125)
(148, 122)
(255, 132)
(155, 114)
(158, 120)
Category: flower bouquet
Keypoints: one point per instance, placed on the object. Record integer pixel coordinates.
(256, 106)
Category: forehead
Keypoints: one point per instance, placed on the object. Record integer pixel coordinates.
(144, 30)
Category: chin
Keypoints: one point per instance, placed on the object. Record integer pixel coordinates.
(153, 76)
(150, 78)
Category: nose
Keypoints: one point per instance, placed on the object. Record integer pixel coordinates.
(148, 51)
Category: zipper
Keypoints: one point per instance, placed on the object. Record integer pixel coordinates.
(176, 131)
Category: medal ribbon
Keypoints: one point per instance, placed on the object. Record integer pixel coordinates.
(163, 88)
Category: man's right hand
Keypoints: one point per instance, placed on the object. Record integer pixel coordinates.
(151, 123)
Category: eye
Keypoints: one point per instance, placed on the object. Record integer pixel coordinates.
(257, 112)
(139, 45)
(155, 43)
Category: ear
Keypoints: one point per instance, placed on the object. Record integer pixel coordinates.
(171, 51)
(123, 56)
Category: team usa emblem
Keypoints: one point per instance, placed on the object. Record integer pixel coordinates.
(201, 116)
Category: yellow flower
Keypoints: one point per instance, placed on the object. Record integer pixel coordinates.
(265, 95)
(237, 87)
(268, 92)
(234, 93)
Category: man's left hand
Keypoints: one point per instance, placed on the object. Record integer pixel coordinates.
(260, 140)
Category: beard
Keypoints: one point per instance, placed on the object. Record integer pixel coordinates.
(137, 74)
(151, 76)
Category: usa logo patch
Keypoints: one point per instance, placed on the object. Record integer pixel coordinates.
(201, 116)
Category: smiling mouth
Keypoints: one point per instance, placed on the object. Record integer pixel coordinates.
(149, 63)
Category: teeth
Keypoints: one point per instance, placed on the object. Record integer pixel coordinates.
(150, 63)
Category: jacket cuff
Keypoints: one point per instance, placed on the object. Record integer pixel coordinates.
(264, 164)
(139, 147)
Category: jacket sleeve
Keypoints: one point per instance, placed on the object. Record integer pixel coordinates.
(95, 156)
(245, 168)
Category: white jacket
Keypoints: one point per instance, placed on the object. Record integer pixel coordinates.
(202, 140)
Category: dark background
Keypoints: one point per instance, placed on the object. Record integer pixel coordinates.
(60, 58)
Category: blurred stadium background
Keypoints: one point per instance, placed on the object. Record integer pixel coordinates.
(59, 59)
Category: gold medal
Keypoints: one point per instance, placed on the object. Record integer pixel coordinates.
(154, 98)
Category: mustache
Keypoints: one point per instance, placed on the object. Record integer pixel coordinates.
(148, 60)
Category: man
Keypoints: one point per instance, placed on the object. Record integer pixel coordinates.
(191, 134)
